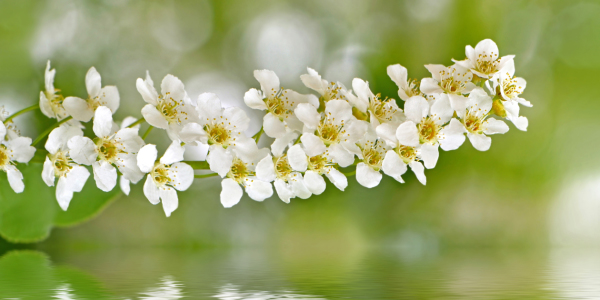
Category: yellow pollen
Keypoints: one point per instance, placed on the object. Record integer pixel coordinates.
(218, 134)
(4, 156)
(239, 171)
(282, 167)
(428, 131)
(61, 163)
(160, 175)
(406, 153)
(108, 149)
(329, 133)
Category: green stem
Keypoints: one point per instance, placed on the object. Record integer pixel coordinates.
(350, 173)
(256, 137)
(147, 132)
(139, 121)
(47, 132)
(22, 111)
(206, 175)
(197, 165)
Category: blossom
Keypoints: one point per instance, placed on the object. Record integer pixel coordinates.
(83, 110)
(242, 174)
(220, 128)
(425, 126)
(509, 88)
(374, 108)
(123, 182)
(327, 90)
(371, 151)
(58, 164)
(484, 60)
(454, 81)
(51, 104)
(476, 122)
(279, 104)
(166, 176)
(110, 148)
(333, 131)
(406, 87)
(288, 182)
(171, 110)
(17, 149)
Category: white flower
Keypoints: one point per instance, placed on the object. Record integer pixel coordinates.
(165, 176)
(334, 131)
(123, 182)
(406, 88)
(288, 182)
(171, 110)
(454, 81)
(278, 103)
(58, 163)
(327, 90)
(377, 110)
(484, 60)
(242, 174)
(425, 126)
(51, 104)
(509, 88)
(371, 152)
(83, 110)
(110, 147)
(476, 123)
(18, 149)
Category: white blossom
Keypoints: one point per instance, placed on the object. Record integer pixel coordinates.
(83, 109)
(279, 104)
(14, 150)
(124, 184)
(51, 104)
(406, 87)
(110, 148)
(484, 61)
(58, 164)
(171, 110)
(165, 176)
(454, 81)
(375, 109)
(371, 151)
(327, 90)
(509, 89)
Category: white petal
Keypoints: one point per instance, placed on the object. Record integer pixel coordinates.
(307, 113)
(20, 149)
(393, 165)
(399, 75)
(192, 133)
(493, 126)
(172, 87)
(314, 182)
(231, 192)
(338, 111)
(341, 156)
(245, 148)
(146, 158)
(254, 99)
(237, 120)
(419, 171)
(173, 154)
(151, 190)
(453, 135)
(92, 82)
(313, 81)
(109, 97)
(129, 140)
(416, 108)
(387, 132)
(436, 70)
(441, 110)
(269, 82)
(103, 122)
(58, 138)
(48, 172)
(430, 86)
(284, 191)
(82, 150)
(209, 106)
(265, 169)
(488, 48)
(298, 186)
(362, 90)
(366, 176)
(297, 158)
(169, 199)
(78, 108)
(63, 194)
(124, 184)
(219, 160)
(407, 134)
(154, 117)
(337, 178)
(521, 123)
(2, 131)
(15, 179)
(147, 90)
(76, 178)
(313, 145)
(458, 103)
(430, 155)
(480, 100)
(105, 175)
(272, 126)
(258, 190)
(480, 142)
(182, 176)
(279, 145)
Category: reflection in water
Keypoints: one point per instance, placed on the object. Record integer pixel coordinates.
(167, 289)
(63, 292)
(231, 292)
(575, 273)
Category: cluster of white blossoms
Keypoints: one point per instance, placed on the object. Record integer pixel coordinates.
(335, 134)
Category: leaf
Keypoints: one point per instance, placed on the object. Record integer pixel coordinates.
(29, 216)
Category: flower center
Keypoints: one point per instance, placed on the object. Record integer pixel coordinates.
(277, 104)
(380, 109)
(107, 150)
(407, 153)
(333, 92)
(318, 163)
(4, 157)
(282, 167)
(330, 133)
(511, 90)
(239, 171)
(428, 131)
(413, 88)
(472, 123)
(61, 163)
(169, 108)
(217, 134)
(373, 158)
(487, 64)
(160, 174)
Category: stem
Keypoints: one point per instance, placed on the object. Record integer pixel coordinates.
(206, 175)
(47, 132)
(139, 121)
(256, 137)
(350, 173)
(197, 165)
(297, 140)
(147, 132)
(22, 111)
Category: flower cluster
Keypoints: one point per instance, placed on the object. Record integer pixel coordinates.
(337, 133)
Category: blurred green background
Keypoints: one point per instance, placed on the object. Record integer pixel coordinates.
(532, 190)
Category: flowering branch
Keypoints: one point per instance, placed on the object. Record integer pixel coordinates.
(337, 134)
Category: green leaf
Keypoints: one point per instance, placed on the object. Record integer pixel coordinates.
(29, 216)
